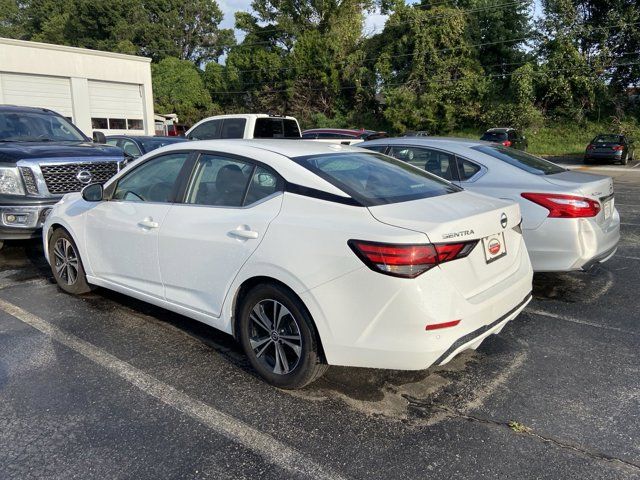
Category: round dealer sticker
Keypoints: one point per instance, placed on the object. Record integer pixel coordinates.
(494, 246)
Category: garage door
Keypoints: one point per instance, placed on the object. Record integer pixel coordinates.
(116, 106)
(37, 91)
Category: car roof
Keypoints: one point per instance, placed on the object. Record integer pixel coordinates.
(427, 141)
(21, 109)
(247, 115)
(500, 130)
(146, 137)
(338, 130)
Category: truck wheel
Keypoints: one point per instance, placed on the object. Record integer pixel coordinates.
(66, 264)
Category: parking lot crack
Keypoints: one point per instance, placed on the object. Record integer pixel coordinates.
(528, 431)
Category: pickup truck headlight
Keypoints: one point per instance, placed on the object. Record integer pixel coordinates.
(10, 181)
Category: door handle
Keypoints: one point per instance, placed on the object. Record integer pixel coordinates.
(148, 223)
(244, 233)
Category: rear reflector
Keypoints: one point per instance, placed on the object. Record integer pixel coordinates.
(565, 206)
(408, 261)
(436, 326)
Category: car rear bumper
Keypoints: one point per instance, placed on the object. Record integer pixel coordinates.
(565, 244)
(384, 324)
(611, 156)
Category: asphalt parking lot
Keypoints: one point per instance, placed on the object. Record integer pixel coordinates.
(104, 386)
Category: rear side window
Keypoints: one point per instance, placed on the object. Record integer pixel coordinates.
(374, 179)
(494, 137)
(522, 160)
(233, 128)
(466, 169)
(432, 161)
(206, 131)
(276, 128)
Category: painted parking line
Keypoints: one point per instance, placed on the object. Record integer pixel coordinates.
(566, 318)
(272, 450)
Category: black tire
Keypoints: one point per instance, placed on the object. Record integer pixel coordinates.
(625, 160)
(296, 329)
(66, 264)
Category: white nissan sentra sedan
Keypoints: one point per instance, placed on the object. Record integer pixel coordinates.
(309, 254)
(569, 219)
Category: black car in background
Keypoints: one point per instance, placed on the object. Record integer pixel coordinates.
(136, 146)
(610, 148)
(509, 137)
(42, 157)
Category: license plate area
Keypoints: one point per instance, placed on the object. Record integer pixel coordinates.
(607, 208)
(494, 247)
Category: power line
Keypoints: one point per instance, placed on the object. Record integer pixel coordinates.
(402, 55)
(422, 82)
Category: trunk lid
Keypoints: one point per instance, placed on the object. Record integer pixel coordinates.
(597, 187)
(462, 217)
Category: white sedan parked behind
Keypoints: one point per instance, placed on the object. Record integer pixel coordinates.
(309, 254)
(569, 219)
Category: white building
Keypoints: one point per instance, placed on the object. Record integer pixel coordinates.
(104, 91)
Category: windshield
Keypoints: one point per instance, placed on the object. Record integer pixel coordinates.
(494, 136)
(607, 139)
(152, 143)
(374, 179)
(522, 160)
(37, 127)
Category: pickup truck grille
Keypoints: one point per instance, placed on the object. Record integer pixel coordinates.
(63, 178)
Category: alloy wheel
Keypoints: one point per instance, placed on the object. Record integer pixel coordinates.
(66, 261)
(275, 337)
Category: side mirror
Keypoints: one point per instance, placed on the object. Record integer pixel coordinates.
(93, 192)
(99, 137)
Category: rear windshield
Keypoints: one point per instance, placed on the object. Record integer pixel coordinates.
(522, 160)
(494, 136)
(607, 139)
(153, 143)
(276, 128)
(374, 179)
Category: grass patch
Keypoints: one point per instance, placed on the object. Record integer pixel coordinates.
(564, 139)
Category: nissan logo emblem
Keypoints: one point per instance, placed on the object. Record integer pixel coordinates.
(504, 221)
(84, 176)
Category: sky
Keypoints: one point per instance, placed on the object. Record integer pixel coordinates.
(374, 22)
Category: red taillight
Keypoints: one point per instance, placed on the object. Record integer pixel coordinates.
(408, 261)
(565, 206)
(507, 143)
(437, 326)
(618, 148)
(591, 147)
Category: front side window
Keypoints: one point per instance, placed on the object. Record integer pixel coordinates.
(374, 179)
(206, 131)
(37, 127)
(432, 161)
(520, 159)
(153, 181)
(130, 148)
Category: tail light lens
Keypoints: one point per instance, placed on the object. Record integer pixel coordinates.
(507, 143)
(408, 261)
(591, 147)
(618, 148)
(565, 206)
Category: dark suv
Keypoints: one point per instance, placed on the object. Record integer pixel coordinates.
(42, 157)
(509, 137)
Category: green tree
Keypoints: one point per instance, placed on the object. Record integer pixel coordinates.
(178, 88)
(431, 79)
